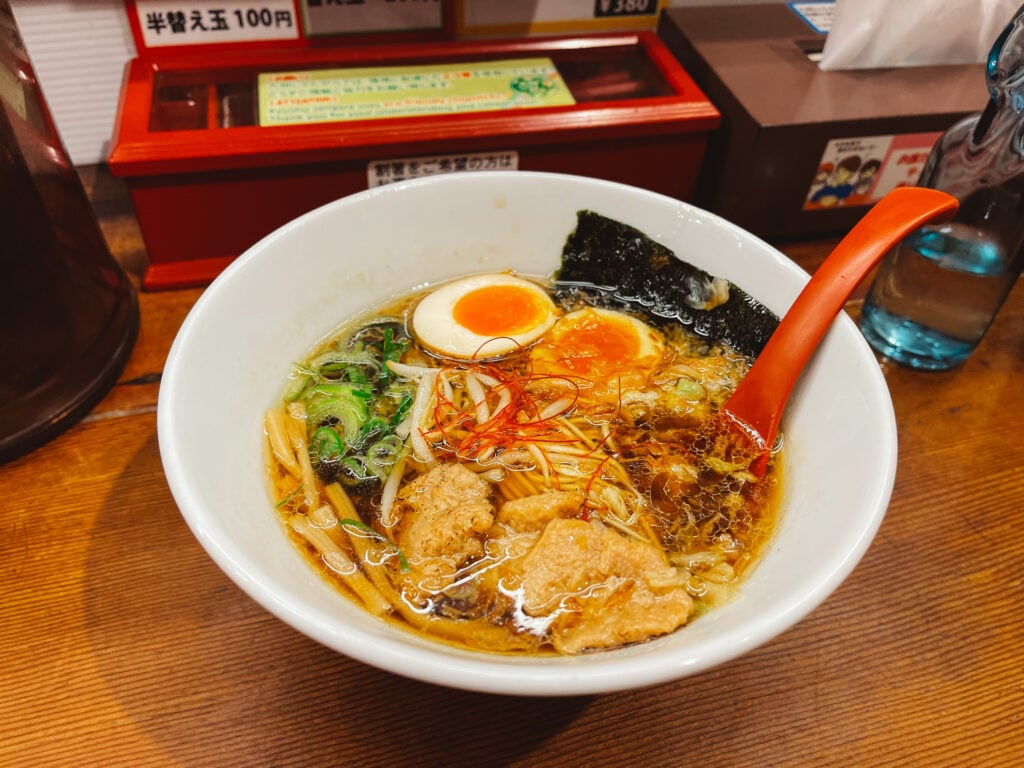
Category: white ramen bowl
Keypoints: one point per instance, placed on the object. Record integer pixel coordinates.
(290, 290)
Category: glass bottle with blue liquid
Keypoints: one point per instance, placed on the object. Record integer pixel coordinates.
(936, 293)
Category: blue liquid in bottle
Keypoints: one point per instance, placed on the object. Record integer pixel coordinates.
(936, 293)
(936, 297)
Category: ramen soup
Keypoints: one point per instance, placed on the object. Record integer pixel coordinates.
(512, 465)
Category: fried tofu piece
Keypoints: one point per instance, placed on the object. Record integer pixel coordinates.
(600, 586)
(534, 512)
(446, 514)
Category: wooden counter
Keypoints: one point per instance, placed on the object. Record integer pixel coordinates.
(122, 644)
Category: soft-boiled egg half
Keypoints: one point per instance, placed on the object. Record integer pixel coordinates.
(483, 316)
(603, 350)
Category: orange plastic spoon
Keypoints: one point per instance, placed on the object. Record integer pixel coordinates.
(756, 406)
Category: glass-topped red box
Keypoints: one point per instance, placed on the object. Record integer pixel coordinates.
(220, 148)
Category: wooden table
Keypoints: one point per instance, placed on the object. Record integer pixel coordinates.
(122, 644)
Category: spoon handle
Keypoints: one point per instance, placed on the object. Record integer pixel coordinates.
(759, 400)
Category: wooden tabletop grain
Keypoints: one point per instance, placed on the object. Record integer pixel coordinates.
(122, 644)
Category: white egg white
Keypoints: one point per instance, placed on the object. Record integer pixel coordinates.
(434, 324)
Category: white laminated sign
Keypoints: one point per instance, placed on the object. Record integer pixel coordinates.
(166, 22)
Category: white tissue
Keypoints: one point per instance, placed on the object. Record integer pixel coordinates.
(870, 34)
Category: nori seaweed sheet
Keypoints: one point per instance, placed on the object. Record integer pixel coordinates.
(624, 263)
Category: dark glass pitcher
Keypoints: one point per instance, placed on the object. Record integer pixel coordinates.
(68, 312)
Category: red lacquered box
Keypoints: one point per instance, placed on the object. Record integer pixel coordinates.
(207, 181)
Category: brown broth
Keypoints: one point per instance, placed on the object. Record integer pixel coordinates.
(638, 477)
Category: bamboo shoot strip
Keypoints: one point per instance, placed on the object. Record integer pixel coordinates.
(341, 564)
(297, 435)
(277, 434)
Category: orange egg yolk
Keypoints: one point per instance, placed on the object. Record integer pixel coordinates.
(595, 347)
(500, 310)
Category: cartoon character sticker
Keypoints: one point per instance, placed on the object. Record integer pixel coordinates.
(860, 171)
(839, 184)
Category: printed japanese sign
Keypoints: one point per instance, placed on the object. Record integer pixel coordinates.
(328, 17)
(381, 172)
(328, 95)
(861, 171)
(166, 22)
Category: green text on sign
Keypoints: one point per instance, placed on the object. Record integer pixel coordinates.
(329, 95)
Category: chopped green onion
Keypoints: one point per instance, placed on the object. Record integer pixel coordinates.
(390, 350)
(326, 445)
(690, 389)
(403, 408)
(340, 403)
(354, 403)
(291, 495)
(358, 469)
(385, 451)
(371, 431)
(301, 378)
